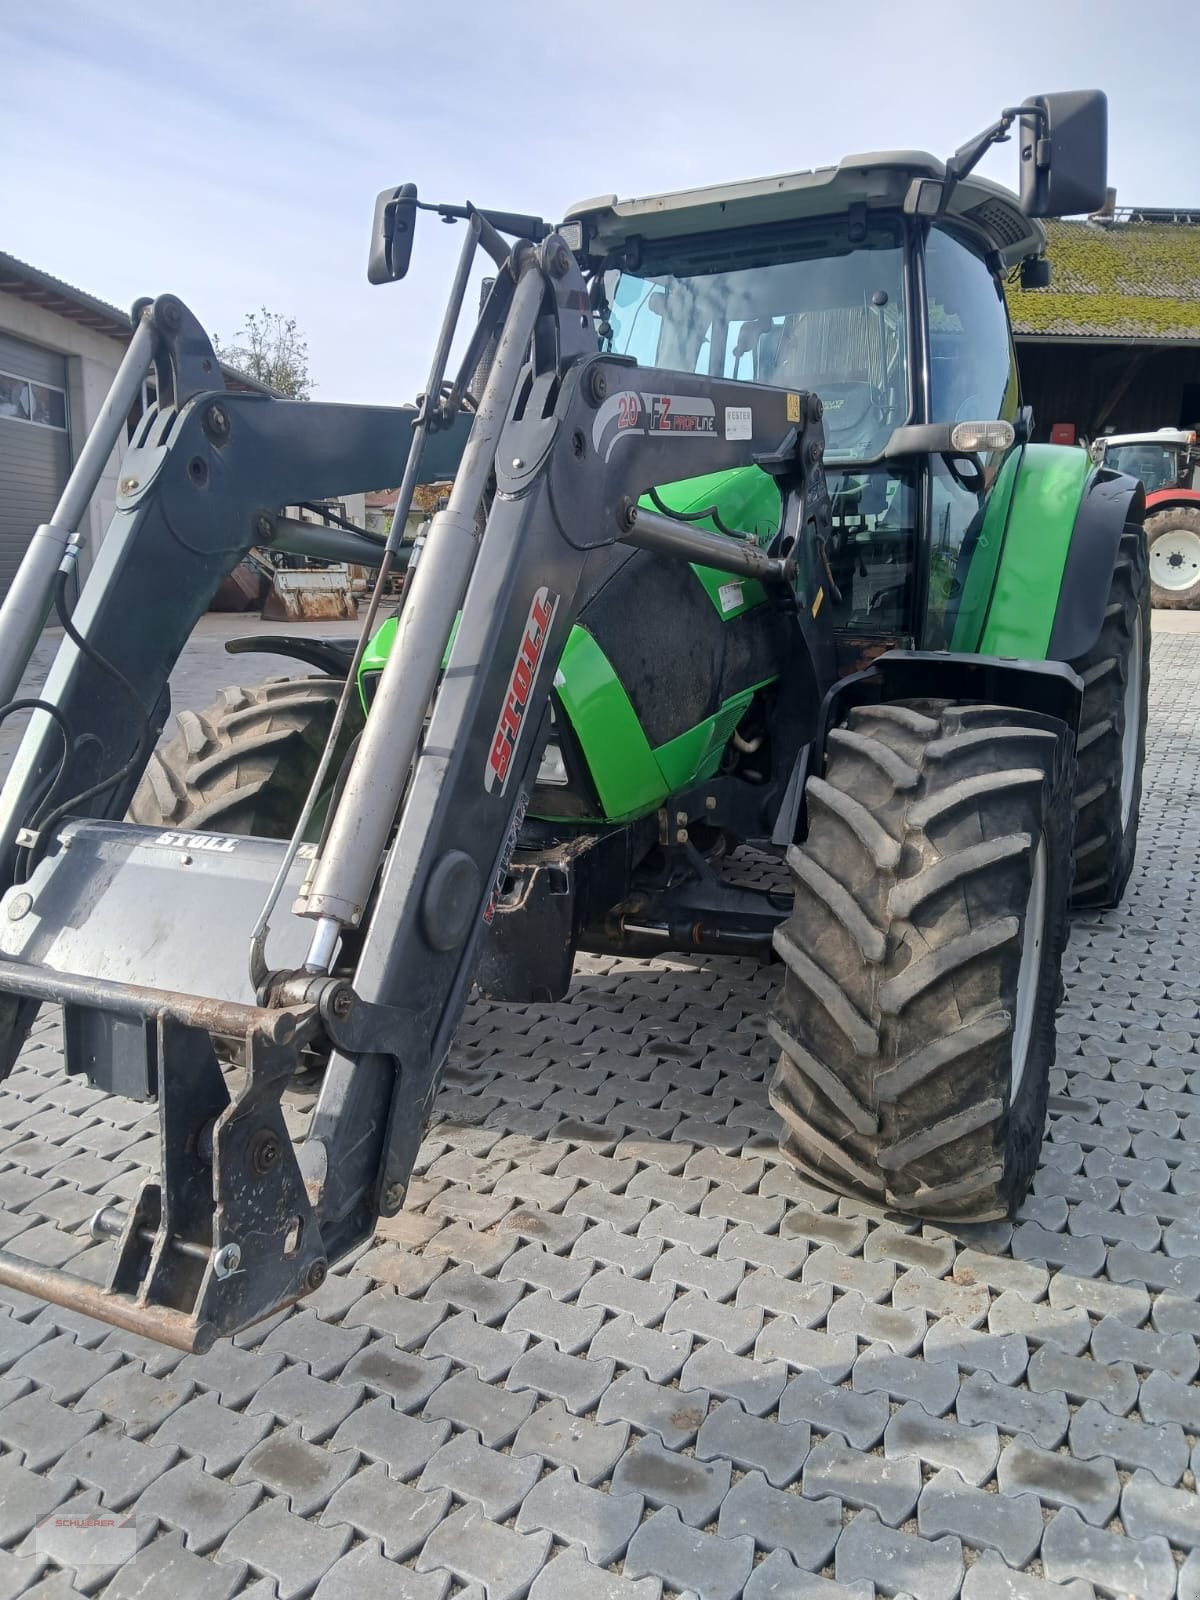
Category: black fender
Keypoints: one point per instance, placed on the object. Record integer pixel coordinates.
(331, 656)
(1110, 501)
(1050, 687)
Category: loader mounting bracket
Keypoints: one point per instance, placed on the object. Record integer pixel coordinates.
(256, 1249)
(226, 1234)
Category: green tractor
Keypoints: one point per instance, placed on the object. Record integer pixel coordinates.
(939, 725)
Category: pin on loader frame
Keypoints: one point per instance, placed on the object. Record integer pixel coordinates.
(142, 935)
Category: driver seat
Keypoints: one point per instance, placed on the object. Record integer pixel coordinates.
(1147, 464)
(835, 344)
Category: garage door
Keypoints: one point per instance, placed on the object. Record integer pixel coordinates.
(35, 446)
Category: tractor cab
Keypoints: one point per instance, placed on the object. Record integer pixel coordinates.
(1168, 459)
(877, 284)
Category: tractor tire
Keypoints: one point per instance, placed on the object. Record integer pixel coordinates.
(1173, 536)
(923, 957)
(245, 764)
(1111, 748)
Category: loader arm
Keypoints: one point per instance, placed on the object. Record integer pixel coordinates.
(142, 936)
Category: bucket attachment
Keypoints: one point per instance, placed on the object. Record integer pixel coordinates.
(317, 595)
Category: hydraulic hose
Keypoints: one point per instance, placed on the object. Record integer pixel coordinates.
(46, 825)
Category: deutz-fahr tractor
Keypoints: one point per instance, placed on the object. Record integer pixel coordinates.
(747, 550)
(1168, 464)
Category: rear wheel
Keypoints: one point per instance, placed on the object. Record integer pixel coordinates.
(246, 763)
(923, 957)
(1112, 733)
(1173, 536)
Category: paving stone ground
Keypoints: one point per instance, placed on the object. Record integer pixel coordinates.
(612, 1349)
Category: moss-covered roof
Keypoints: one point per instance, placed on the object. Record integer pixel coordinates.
(1126, 280)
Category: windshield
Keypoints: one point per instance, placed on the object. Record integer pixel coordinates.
(1155, 464)
(799, 308)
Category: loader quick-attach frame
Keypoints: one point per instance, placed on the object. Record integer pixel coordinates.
(143, 936)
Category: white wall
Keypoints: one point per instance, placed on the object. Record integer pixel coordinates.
(352, 506)
(93, 358)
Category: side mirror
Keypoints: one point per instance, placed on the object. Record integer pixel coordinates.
(1064, 153)
(392, 234)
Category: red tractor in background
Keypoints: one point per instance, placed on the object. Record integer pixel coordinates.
(1168, 463)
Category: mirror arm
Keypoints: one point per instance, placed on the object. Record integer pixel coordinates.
(513, 222)
(975, 482)
(968, 156)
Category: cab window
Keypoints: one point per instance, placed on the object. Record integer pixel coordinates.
(972, 367)
(972, 378)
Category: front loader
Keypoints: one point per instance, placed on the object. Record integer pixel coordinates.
(745, 546)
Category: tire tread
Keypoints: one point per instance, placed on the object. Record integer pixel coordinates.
(893, 1070)
(1103, 850)
(243, 765)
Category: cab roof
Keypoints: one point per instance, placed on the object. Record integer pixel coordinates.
(880, 179)
(1159, 436)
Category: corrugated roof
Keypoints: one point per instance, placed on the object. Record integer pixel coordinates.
(31, 283)
(76, 305)
(1117, 280)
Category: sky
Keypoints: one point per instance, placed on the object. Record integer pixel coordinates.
(230, 151)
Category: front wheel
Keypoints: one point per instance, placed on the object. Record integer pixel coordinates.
(922, 959)
(1173, 536)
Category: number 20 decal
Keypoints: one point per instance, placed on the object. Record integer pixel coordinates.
(628, 410)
